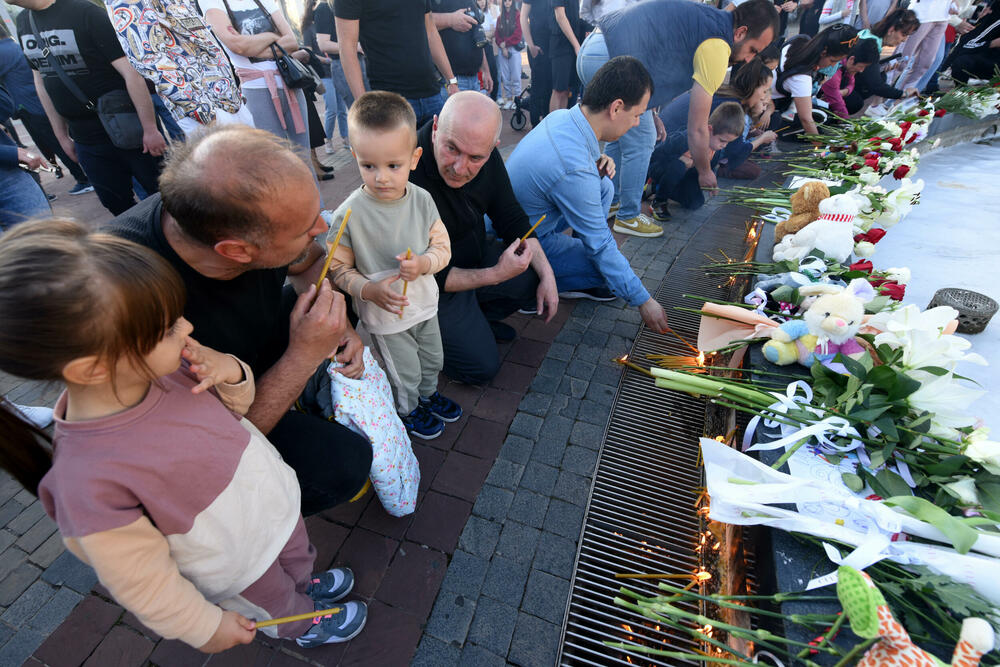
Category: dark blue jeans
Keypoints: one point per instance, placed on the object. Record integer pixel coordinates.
(111, 171)
(426, 107)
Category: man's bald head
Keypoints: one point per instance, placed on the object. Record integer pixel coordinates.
(218, 183)
(465, 133)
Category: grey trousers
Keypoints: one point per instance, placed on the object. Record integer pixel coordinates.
(413, 359)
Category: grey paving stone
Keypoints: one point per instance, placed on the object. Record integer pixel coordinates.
(545, 384)
(528, 508)
(516, 449)
(20, 647)
(505, 474)
(9, 487)
(549, 452)
(526, 425)
(616, 347)
(25, 497)
(546, 596)
(577, 324)
(570, 335)
(479, 536)
(555, 554)
(602, 394)
(435, 653)
(505, 580)
(609, 373)
(68, 570)
(555, 429)
(582, 370)
(579, 460)
(10, 559)
(601, 324)
(535, 403)
(586, 352)
(587, 435)
(465, 574)
(26, 519)
(9, 510)
(572, 387)
(535, 642)
(629, 315)
(7, 538)
(477, 656)
(594, 413)
(37, 534)
(15, 583)
(628, 329)
(572, 488)
(27, 604)
(493, 626)
(55, 610)
(6, 632)
(570, 407)
(584, 308)
(517, 541)
(609, 311)
(50, 549)
(597, 338)
(564, 519)
(559, 351)
(451, 617)
(552, 366)
(493, 502)
(539, 477)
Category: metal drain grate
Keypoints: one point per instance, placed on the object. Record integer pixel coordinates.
(641, 517)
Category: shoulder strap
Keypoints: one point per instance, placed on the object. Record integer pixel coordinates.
(54, 61)
(783, 74)
(267, 14)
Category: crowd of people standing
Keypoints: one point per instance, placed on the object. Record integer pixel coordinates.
(209, 297)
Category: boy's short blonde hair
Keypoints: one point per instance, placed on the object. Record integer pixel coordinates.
(728, 118)
(381, 111)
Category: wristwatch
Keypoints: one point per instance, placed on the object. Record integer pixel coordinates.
(453, 81)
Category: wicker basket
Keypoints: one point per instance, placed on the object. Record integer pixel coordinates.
(974, 309)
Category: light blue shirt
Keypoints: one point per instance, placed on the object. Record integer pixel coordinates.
(554, 173)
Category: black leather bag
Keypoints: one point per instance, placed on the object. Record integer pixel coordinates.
(293, 73)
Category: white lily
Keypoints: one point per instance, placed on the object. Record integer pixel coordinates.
(963, 488)
(985, 452)
(945, 398)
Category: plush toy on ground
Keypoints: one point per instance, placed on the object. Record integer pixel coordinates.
(870, 617)
(832, 233)
(828, 327)
(805, 208)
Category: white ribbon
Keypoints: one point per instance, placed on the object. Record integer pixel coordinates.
(777, 214)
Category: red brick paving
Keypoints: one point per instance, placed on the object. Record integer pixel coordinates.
(399, 562)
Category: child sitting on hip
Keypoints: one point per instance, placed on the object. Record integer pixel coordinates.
(392, 246)
(184, 509)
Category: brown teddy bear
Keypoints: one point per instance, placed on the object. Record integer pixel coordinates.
(805, 208)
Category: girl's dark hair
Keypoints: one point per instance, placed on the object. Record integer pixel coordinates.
(903, 20)
(836, 41)
(747, 80)
(505, 22)
(772, 51)
(865, 51)
(67, 293)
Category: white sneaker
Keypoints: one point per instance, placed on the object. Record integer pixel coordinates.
(502, 102)
(328, 146)
(36, 414)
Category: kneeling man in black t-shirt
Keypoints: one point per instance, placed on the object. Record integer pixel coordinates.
(237, 213)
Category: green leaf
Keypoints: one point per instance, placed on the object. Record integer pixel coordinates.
(962, 537)
(905, 386)
(853, 482)
(877, 304)
(888, 427)
(893, 483)
(853, 367)
(869, 414)
(882, 377)
(989, 495)
(947, 467)
(877, 459)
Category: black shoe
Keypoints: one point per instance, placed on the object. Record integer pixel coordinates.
(503, 333)
(50, 197)
(593, 293)
(325, 168)
(59, 172)
(81, 188)
(660, 211)
(325, 177)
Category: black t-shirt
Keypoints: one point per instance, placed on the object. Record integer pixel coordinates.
(324, 21)
(81, 36)
(462, 209)
(245, 316)
(558, 44)
(393, 36)
(463, 54)
(541, 22)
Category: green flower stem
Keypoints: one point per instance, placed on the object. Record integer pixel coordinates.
(801, 619)
(856, 652)
(660, 618)
(826, 637)
(788, 453)
(686, 656)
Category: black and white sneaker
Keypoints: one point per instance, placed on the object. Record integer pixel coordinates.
(592, 293)
(81, 188)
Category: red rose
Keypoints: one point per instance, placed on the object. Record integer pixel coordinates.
(862, 265)
(923, 112)
(893, 290)
(905, 126)
(872, 162)
(901, 171)
(875, 140)
(855, 167)
(873, 235)
(877, 282)
(897, 144)
(939, 113)
(913, 137)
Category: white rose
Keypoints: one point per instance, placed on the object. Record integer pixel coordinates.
(864, 249)
(964, 489)
(901, 274)
(869, 177)
(986, 452)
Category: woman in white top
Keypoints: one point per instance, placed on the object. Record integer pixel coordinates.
(801, 61)
(247, 32)
(836, 11)
(923, 45)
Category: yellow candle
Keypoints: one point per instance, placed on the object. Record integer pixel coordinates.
(333, 248)
(297, 617)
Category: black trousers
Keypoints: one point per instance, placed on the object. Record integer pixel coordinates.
(979, 65)
(470, 351)
(541, 85)
(45, 139)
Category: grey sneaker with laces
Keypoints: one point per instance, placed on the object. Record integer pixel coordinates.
(341, 626)
(331, 585)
